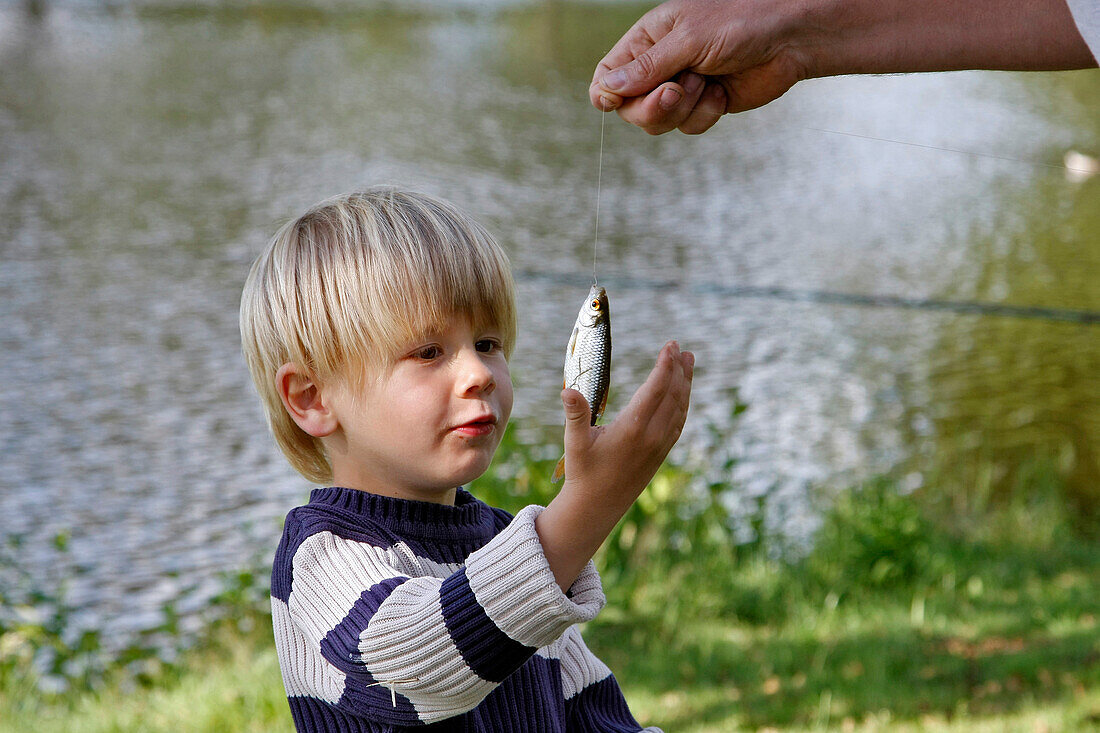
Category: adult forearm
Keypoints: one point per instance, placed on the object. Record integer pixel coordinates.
(891, 36)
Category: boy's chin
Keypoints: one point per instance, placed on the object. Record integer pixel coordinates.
(470, 473)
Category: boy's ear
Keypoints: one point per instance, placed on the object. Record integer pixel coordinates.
(304, 400)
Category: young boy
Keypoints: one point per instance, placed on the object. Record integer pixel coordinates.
(377, 327)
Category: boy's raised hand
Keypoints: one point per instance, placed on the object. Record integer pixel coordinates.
(616, 461)
(608, 466)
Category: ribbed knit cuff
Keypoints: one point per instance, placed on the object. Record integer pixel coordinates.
(512, 581)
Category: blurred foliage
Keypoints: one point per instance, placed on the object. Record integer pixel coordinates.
(873, 537)
(42, 653)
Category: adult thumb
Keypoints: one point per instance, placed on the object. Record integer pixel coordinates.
(658, 64)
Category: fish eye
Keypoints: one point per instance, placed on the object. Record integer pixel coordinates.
(595, 304)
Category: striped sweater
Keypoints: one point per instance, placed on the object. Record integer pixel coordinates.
(392, 614)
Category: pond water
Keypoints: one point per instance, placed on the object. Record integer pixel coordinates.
(838, 257)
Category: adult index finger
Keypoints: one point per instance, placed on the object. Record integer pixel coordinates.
(601, 100)
(622, 53)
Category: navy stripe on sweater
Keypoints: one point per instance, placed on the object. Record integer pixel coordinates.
(311, 714)
(362, 692)
(489, 652)
(600, 708)
(529, 701)
(341, 645)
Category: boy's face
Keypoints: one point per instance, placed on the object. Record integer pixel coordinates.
(429, 425)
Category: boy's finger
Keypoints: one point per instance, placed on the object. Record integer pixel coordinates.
(687, 369)
(577, 412)
(676, 399)
(680, 390)
(649, 396)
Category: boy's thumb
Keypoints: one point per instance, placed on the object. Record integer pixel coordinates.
(576, 408)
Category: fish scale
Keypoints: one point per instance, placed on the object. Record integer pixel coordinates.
(589, 369)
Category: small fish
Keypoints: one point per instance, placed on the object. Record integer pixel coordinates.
(588, 358)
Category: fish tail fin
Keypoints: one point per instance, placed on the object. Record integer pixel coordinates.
(559, 471)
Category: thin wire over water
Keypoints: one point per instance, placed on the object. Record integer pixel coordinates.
(1092, 169)
(992, 156)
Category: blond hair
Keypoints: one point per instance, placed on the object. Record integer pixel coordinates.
(339, 290)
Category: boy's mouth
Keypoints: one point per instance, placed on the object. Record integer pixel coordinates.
(482, 425)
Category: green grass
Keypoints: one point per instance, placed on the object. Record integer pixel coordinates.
(872, 661)
(231, 683)
(907, 613)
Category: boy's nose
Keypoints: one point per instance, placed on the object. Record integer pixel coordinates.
(474, 375)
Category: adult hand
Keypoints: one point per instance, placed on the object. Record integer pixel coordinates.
(687, 62)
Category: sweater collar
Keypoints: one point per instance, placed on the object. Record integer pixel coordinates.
(467, 519)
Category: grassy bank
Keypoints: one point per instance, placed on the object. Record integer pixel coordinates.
(921, 611)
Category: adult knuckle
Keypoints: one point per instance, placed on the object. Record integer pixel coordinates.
(646, 66)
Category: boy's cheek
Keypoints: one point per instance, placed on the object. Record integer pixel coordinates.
(506, 398)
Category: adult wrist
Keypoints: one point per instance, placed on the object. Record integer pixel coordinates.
(833, 37)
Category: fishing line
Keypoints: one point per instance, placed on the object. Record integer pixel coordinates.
(599, 184)
(992, 156)
(925, 146)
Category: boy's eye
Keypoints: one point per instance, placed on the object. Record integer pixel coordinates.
(487, 345)
(428, 353)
